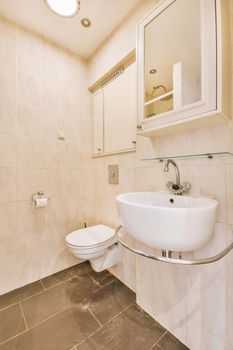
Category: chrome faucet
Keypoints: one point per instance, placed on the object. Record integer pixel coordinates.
(177, 188)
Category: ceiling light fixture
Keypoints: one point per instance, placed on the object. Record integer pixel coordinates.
(85, 22)
(64, 8)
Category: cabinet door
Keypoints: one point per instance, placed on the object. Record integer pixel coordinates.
(98, 122)
(120, 112)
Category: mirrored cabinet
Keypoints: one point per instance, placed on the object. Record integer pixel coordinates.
(183, 68)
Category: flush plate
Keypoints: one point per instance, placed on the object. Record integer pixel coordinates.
(113, 174)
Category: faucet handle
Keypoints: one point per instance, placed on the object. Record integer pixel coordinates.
(170, 186)
(185, 187)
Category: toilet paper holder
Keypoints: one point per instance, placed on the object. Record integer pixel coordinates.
(38, 195)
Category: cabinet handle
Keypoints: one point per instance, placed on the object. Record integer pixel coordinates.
(99, 149)
(139, 126)
(134, 142)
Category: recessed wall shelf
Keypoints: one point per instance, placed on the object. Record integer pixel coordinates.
(189, 156)
(184, 258)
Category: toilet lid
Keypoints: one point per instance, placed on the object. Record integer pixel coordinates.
(90, 236)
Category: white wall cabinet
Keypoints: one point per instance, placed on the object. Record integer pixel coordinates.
(199, 87)
(115, 114)
(120, 112)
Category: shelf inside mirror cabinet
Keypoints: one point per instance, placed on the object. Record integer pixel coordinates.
(192, 156)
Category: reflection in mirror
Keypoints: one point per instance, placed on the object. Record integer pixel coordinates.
(173, 58)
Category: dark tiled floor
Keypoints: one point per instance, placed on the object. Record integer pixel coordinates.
(79, 309)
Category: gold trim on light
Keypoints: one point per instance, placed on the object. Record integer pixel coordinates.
(86, 22)
(64, 16)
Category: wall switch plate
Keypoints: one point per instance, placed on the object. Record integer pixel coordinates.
(113, 174)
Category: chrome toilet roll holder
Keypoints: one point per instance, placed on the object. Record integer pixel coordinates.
(38, 195)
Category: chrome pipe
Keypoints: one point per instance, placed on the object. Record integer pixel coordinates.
(171, 260)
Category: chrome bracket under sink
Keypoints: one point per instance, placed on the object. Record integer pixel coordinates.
(166, 256)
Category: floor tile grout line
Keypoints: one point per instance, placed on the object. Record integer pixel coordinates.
(55, 314)
(107, 284)
(73, 348)
(65, 280)
(31, 296)
(23, 315)
(93, 280)
(55, 285)
(45, 289)
(8, 306)
(38, 324)
(119, 313)
(15, 336)
(90, 335)
(93, 315)
(42, 284)
(48, 318)
(158, 340)
(23, 299)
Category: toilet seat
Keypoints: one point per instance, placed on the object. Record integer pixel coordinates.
(91, 237)
(98, 244)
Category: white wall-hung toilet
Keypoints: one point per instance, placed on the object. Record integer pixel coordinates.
(98, 244)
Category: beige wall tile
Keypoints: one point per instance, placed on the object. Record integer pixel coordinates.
(7, 47)
(56, 213)
(214, 306)
(37, 159)
(28, 123)
(49, 125)
(29, 218)
(125, 270)
(8, 219)
(149, 179)
(229, 193)
(199, 177)
(50, 61)
(29, 56)
(29, 89)
(49, 154)
(67, 123)
(51, 95)
(7, 150)
(8, 99)
(39, 245)
(7, 185)
(229, 315)
(13, 252)
(170, 316)
(51, 182)
(229, 272)
(70, 101)
(28, 152)
(29, 181)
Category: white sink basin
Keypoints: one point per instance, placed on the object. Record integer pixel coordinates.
(164, 221)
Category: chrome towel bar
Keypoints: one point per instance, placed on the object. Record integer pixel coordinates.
(170, 260)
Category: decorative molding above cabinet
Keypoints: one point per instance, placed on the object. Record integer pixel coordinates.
(114, 110)
(184, 68)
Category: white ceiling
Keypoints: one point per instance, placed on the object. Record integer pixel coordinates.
(104, 15)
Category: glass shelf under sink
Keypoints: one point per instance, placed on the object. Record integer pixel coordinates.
(190, 156)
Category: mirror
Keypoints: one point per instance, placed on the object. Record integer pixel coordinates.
(172, 58)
